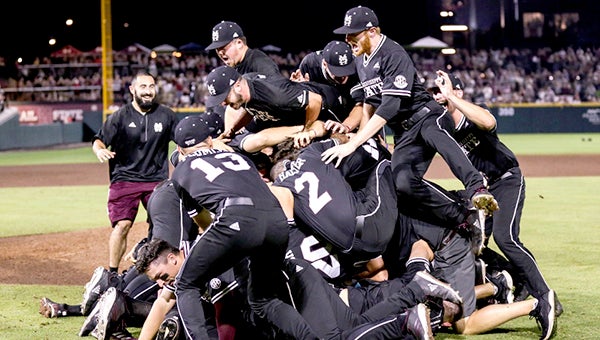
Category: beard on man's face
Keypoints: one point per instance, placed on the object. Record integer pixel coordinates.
(145, 102)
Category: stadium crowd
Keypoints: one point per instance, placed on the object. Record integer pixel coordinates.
(493, 76)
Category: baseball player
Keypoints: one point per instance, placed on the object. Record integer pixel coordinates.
(352, 207)
(138, 135)
(271, 101)
(230, 44)
(248, 221)
(476, 133)
(395, 96)
(334, 65)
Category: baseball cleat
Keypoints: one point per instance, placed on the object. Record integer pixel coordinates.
(436, 288)
(482, 199)
(545, 315)
(93, 289)
(504, 284)
(418, 323)
(51, 309)
(113, 308)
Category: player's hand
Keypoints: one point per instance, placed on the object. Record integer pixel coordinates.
(227, 134)
(443, 82)
(337, 152)
(223, 139)
(334, 126)
(303, 138)
(104, 155)
(220, 144)
(298, 76)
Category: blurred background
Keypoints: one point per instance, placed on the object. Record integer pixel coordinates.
(67, 62)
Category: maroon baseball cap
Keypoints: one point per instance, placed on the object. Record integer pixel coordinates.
(223, 33)
(218, 83)
(358, 19)
(339, 58)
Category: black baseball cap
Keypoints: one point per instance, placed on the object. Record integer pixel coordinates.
(192, 130)
(218, 83)
(214, 119)
(358, 19)
(457, 84)
(339, 58)
(223, 33)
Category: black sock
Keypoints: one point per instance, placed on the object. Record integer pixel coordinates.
(113, 269)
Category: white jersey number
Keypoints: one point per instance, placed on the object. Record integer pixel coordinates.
(235, 163)
(316, 202)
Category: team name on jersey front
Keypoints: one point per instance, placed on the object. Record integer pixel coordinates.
(372, 87)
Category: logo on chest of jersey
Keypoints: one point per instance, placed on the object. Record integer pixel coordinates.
(261, 115)
(469, 143)
(400, 82)
(158, 127)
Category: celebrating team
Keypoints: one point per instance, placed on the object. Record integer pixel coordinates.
(327, 196)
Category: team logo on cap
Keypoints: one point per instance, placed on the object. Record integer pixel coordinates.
(211, 89)
(215, 35)
(343, 59)
(348, 20)
(400, 82)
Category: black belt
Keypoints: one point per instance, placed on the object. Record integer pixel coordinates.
(408, 123)
(237, 201)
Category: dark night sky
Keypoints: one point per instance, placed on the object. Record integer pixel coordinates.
(308, 27)
(303, 25)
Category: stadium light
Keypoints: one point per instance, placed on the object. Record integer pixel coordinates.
(454, 28)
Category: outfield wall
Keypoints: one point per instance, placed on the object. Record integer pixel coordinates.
(39, 125)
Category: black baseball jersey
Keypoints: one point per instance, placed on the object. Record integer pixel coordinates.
(389, 71)
(350, 93)
(249, 222)
(485, 150)
(278, 101)
(323, 198)
(224, 175)
(303, 244)
(140, 143)
(256, 60)
(167, 218)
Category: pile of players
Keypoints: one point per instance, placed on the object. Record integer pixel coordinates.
(287, 215)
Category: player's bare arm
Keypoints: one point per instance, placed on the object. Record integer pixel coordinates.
(475, 113)
(340, 151)
(101, 152)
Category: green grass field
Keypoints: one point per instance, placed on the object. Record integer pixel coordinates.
(560, 226)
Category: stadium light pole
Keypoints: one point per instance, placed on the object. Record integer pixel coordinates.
(107, 58)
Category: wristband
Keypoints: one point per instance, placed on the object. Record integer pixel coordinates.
(312, 131)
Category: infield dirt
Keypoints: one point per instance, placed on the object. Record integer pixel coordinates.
(70, 258)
